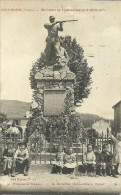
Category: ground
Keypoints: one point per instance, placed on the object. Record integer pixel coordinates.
(41, 181)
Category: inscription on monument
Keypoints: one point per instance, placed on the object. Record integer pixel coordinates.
(54, 102)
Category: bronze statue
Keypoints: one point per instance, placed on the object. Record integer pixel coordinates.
(53, 42)
(53, 48)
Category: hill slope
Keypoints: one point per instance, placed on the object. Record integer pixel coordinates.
(14, 108)
(17, 109)
(89, 119)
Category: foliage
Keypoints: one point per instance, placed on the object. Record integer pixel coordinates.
(77, 64)
(61, 128)
(3, 118)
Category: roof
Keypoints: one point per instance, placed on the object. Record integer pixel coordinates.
(116, 104)
(14, 109)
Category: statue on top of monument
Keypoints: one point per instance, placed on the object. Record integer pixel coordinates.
(52, 40)
(54, 52)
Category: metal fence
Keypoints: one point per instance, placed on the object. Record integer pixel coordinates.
(5, 138)
(43, 149)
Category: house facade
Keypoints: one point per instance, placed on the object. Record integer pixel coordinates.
(117, 117)
(101, 126)
(15, 111)
(18, 121)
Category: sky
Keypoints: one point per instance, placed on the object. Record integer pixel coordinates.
(98, 33)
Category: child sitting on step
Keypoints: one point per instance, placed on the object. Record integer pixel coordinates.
(90, 161)
(22, 158)
(70, 161)
(59, 160)
(108, 160)
(8, 159)
(100, 165)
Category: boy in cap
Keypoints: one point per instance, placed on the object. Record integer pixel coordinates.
(8, 159)
(22, 158)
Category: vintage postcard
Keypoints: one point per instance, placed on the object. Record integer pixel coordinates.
(60, 97)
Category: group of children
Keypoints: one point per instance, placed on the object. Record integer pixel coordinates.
(15, 160)
(97, 162)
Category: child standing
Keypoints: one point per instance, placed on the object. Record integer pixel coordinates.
(117, 151)
(59, 160)
(70, 161)
(8, 159)
(90, 161)
(22, 158)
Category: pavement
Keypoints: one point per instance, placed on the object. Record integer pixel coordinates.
(41, 181)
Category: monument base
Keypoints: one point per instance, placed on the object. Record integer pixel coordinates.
(54, 86)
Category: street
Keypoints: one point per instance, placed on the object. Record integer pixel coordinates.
(41, 181)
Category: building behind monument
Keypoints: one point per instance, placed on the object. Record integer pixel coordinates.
(117, 117)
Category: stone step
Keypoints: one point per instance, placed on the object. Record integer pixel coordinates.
(77, 150)
(47, 157)
(77, 145)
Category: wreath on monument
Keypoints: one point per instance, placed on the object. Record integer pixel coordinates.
(78, 65)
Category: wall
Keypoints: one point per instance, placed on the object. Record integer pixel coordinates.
(23, 122)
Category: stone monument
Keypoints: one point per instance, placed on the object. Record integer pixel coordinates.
(53, 110)
(55, 80)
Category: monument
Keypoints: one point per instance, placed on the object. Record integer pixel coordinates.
(55, 81)
(56, 89)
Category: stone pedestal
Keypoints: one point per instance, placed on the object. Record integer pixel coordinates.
(54, 87)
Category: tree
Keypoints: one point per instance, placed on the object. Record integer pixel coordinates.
(77, 64)
(3, 118)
